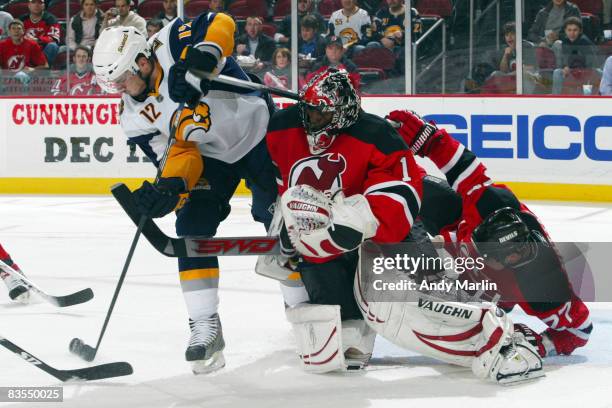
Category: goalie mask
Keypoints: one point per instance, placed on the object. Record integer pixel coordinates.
(504, 237)
(332, 101)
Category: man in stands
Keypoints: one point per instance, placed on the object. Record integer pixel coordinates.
(352, 25)
(120, 15)
(20, 55)
(84, 28)
(335, 58)
(310, 42)
(254, 42)
(305, 8)
(42, 27)
(389, 24)
(574, 51)
(548, 25)
(80, 76)
(169, 12)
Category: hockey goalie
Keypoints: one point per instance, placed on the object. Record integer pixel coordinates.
(345, 176)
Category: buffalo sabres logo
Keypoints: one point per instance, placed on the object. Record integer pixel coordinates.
(321, 172)
(349, 36)
(201, 116)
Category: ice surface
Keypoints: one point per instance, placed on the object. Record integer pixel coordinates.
(68, 243)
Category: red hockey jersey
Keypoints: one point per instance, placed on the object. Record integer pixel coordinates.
(368, 158)
(44, 31)
(76, 84)
(17, 56)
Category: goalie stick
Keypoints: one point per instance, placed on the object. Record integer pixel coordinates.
(193, 247)
(76, 298)
(98, 372)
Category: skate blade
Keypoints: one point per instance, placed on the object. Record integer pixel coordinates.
(216, 362)
(521, 379)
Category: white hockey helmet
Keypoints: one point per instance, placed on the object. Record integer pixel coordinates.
(115, 54)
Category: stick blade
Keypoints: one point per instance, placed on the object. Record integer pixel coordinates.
(99, 372)
(76, 298)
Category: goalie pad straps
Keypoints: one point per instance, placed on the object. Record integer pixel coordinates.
(502, 355)
(318, 334)
(319, 227)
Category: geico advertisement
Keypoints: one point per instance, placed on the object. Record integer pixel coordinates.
(68, 138)
(556, 140)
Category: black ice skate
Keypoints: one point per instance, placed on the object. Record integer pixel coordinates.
(17, 289)
(206, 344)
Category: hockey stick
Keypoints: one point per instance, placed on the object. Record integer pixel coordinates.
(78, 346)
(98, 372)
(193, 247)
(248, 85)
(81, 296)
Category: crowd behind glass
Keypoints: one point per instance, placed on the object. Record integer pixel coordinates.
(46, 46)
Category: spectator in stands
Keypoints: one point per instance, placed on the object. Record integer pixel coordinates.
(42, 27)
(19, 54)
(351, 24)
(504, 63)
(254, 42)
(216, 6)
(389, 25)
(154, 26)
(605, 87)
(506, 60)
(310, 42)
(304, 8)
(120, 15)
(279, 75)
(80, 76)
(548, 25)
(5, 19)
(335, 57)
(169, 12)
(84, 28)
(373, 6)
(574, 51)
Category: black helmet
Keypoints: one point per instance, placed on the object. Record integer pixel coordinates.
(506, 238)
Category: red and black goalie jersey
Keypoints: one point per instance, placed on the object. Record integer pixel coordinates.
(367, 158)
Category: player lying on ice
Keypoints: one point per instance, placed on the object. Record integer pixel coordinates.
(345, 176)
(17, 289)
(224, 124)
(522, 256)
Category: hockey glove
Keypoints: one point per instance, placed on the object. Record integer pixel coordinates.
(157, 200)
(179, 89)
(320, 227)
(418, 134)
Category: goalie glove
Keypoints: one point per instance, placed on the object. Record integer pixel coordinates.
(320, 227)
(418, 134)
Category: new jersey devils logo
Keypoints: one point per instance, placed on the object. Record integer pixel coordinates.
(321, 172)
(16, 62)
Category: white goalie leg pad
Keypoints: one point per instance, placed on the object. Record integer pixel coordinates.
(357, 343)
(502, 355)
(318, 334)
